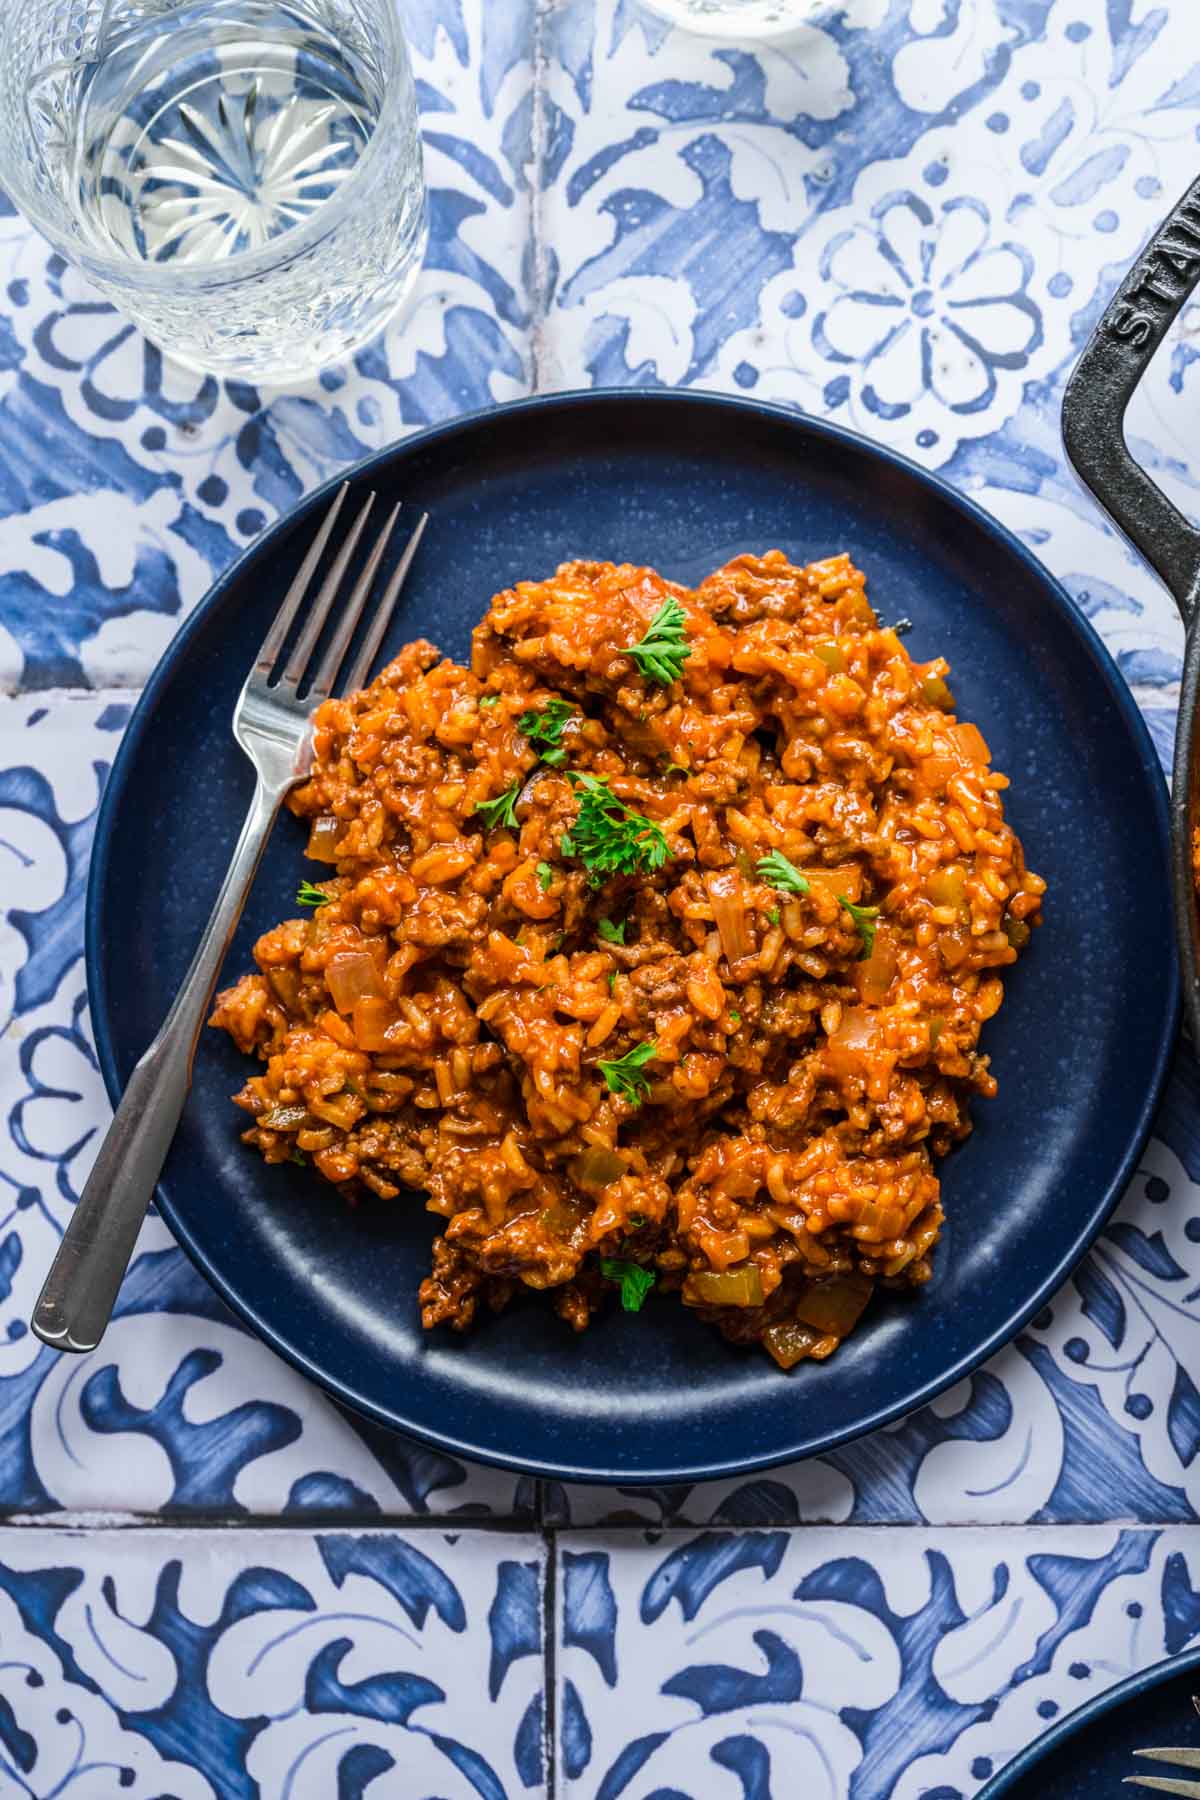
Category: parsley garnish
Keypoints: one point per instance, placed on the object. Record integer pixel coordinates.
(624, 1075)
(634, 1281)
(544, 729)
(310, 895)
(490, 700)
(612, 981)
(612, 931)
(865, 918)
(637, 1220)
(773, 916)
(776, 869)
(735, 1018)
(610, 838)
(545, 875)
(298, 1156)
(500, 811)
(661, 654)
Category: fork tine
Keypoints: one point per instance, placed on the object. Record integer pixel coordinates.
(1188, 1759)
(360, 673)
(1163, 1784)
(318, 612)
(351, 613)
(272, 644)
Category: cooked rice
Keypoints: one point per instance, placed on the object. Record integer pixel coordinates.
(438, 1026)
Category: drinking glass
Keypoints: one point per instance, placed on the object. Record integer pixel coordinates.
(738, 19)
(242, 177)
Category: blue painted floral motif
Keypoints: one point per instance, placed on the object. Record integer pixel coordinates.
(853, 1664)
(929, 306)
(279, 1666)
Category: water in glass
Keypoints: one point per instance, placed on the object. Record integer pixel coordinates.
(243, 176)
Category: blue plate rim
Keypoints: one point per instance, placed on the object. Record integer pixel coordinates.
(804, 425)
(1133, 1687)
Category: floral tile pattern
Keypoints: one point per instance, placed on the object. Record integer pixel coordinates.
(905, 219)
(847, 1665)
(221, 1665)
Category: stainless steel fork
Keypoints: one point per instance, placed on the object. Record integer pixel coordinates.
(1168, 1784)
(272, 724)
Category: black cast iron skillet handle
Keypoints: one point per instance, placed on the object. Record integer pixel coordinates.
(1120, 350)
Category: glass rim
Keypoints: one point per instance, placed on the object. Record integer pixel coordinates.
(128, 273)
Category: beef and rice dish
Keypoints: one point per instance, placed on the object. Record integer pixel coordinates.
(650, 952)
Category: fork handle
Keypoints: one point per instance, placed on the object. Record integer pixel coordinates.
(76, 1302)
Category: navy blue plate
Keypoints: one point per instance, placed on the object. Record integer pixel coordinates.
(1089, 1754)
(683, 481)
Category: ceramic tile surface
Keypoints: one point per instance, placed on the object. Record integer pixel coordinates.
(870, 1665)
(223, 1665)
(906, 219)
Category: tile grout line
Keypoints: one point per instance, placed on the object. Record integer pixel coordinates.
(513, 1525)
(550, 1653)
(538, 256)
(127, 692)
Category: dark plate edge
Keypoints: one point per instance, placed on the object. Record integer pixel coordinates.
(820, 428)
(1027, 1760)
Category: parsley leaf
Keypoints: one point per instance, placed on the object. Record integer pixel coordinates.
(490, 700)
(865, 919)
(662, 652)
(609, 837)
(500, 811)
(624, 1074)
(310, 895)
(735, 1018)
(612, 981)
(612, 931)
(545, 875)
(634, 1281)
(298, 1156)
(773, 916)
(777, 870)
(544, 729)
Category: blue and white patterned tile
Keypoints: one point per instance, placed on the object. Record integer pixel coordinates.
(180, 1410)
(278, 1666)
(1103, 1380)
(127, 484)
(904, 219)
(846, 1665)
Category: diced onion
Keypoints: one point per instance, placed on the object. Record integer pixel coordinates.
(874, 973)
(935, 691)
(353, 975)
(855, 1039)
(789, 1342)
(971, 743)
(596, 1167)
(729, 912)
(324, 838)
(834, 1307)
(845, 882)
(739, 1286)
(373, 1019)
